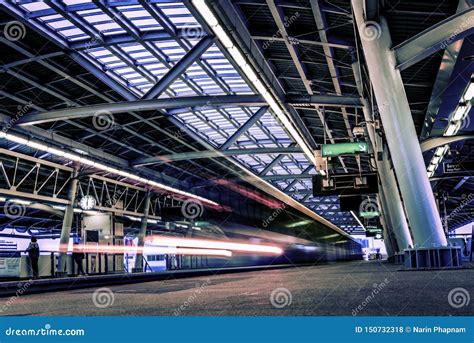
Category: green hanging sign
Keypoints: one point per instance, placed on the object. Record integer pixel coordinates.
(331, 150)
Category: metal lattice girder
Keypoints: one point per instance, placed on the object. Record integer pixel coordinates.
(27, 177)
(34, 179)
(435, 38)
(187, 156)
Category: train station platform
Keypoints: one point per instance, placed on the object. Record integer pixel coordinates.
(349, 289)
(30, 286)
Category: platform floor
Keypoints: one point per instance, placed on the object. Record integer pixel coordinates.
(360, 288)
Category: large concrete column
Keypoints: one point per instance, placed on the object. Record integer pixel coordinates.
(398, 223)
(390, 244)
(141, 234)
(66, 228)
(386, 239)
(400, 131)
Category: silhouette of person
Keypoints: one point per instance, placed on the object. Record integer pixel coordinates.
(33, 251)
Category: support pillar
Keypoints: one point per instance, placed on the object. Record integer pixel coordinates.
(66, 228)
(400, 131)
(141, 235)
(390, 244)
(398, 223)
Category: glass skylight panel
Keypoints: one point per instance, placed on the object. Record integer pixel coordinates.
(109, 28)
(253, 162)
(35, 6)
(157, 69)
(52, 17)
(178, 14)
(72, 34)
(76, 2)
(181, 89)
(237, 115)
(277, 131)
(146, 24)
(195, 71)
(60, 24)
(99, 17)
(214, 125)
(141, 54)
(308, 183)
(278, 170)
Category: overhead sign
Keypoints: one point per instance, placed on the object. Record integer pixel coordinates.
(458, 168)
(345, 184)
(373, 232)
(331, 150)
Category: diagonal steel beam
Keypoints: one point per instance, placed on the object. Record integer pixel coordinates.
(321, 24)
(244, 128)
(448, 61)
(435, 38)
(278, 16)
(179, 68)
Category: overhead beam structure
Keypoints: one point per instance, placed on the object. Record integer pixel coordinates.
(435, 38)
(435, 142)
(188, 156)
(174, 103)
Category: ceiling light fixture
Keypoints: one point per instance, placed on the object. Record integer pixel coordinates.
(455, 123)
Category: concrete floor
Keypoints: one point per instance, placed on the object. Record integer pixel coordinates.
(355, 288)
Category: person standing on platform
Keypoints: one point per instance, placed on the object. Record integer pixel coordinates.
(33, 251)
(78, 256)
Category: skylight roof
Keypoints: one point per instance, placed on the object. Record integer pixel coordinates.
(140, 41)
